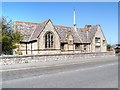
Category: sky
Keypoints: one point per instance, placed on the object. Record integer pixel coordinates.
(61, 13)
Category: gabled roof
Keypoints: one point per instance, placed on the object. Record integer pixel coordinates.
(63, 31)
(26, 28)
(38, 30)
(91, 33)
(33, 30)
(29, 30)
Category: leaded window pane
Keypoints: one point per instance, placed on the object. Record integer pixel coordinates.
(49, 40)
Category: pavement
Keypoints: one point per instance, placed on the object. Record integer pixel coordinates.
(90, 73)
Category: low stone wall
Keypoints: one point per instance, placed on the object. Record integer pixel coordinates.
(6, 60)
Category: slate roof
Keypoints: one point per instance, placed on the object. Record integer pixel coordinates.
(26, 28)
(38, 30)
(87, 34)
(91, 33)
(63, 31)
(29, 30)
(33, 30)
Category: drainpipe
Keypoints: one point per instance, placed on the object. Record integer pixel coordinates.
(26, 48)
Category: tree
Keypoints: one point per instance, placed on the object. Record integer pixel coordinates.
(9, 37)
(16, 38)
(109, 47)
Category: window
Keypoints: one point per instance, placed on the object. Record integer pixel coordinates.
(103, 42)
(97, 48)
(49, 40)
(77, 46)
(62, 46)
(70, 42)
(97, 39)
(85, 47)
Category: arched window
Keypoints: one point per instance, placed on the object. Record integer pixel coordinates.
(49, 40)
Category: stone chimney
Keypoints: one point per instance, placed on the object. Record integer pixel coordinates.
(88, 26)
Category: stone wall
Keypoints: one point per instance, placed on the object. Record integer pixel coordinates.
(6, 60)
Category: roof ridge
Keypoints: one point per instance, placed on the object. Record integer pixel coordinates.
(27, 22)
(68, 26)
(32, 22)
(42, 23)
(63, 26)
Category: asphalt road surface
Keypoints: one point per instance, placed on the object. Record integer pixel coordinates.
(102, 73)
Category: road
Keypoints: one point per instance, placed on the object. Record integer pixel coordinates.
(102, 73)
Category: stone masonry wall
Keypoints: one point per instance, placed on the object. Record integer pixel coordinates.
(7, 60)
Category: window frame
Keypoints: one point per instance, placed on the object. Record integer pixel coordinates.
(49, 40)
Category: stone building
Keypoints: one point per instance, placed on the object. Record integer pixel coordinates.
(45, 38)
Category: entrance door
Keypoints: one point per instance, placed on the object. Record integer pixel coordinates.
(97, 49)
(70, 47)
